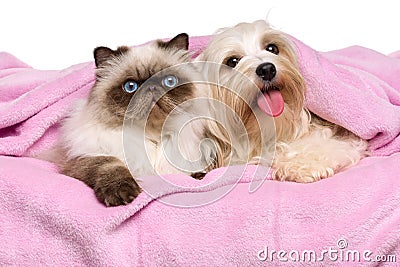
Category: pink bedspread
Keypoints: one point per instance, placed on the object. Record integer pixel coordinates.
(49, 219)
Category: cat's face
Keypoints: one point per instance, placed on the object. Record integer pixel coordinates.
(149, 79)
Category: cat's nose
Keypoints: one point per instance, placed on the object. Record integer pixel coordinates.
(152, 87)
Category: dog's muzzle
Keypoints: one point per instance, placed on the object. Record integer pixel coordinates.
(270, 99)
(266, 71)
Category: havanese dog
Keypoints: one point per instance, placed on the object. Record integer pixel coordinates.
(257, 77)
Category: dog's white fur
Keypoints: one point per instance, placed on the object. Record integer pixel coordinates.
(307, 148)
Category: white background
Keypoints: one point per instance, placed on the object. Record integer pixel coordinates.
(57, 34)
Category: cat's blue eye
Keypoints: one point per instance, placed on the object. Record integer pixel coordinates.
(130, 86)
(170, 81)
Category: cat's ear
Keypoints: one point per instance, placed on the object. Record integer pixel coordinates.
(181, 41)
(102, 54)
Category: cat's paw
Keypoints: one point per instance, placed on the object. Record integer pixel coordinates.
(117, 189)
(198, 175)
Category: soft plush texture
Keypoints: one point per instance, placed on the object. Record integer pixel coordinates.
(50, 219)
(357, 88)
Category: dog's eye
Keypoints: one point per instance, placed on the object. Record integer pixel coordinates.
(170, 81)
(232, 61)
(130, 86)
(272, 48)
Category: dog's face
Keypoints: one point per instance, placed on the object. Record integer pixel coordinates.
(256, 76)
(258, 64)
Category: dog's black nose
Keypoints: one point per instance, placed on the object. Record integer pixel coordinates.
(266, 71)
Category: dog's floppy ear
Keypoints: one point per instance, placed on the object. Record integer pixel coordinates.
(181, 41)
(102, 54)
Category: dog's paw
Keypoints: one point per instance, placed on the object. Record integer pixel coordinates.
(302, 174)
(117, 189)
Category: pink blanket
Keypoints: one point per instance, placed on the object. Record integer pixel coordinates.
(50, 219)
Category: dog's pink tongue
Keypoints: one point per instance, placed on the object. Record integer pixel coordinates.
(271, 103)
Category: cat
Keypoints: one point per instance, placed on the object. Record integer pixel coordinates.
(135, 110)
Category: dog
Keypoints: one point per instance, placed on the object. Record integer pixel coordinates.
(255, 72)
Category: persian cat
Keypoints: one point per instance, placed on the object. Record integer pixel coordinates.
(135, 113)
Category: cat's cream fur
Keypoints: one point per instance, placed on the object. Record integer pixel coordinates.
(113, 130)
